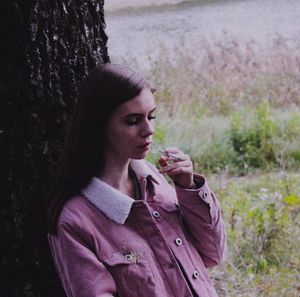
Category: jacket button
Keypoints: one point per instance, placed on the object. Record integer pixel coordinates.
(129, 257)
(156, 214)
(178, 241)
(205, 194)
(158, 198)
(195, 274)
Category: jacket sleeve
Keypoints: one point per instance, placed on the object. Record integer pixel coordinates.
(202, 215)
(81, 273)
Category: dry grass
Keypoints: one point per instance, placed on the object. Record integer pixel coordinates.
(230, 74)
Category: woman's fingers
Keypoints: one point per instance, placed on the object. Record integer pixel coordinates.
(174, 151)
(178, 171)
(178, 157)
(175, 154)
(177, 164)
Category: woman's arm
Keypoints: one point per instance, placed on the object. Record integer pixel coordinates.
(201, 212)
(199, 206)
(81, 273)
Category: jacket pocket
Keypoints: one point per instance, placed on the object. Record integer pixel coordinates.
(131, 272)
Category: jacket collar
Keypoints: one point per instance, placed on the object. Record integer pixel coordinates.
(113, 203)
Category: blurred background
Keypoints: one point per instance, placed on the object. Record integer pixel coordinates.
(228, 91)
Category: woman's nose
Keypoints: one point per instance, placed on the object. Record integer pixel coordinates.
(148, 129)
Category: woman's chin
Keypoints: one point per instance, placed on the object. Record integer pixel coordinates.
(140, 156)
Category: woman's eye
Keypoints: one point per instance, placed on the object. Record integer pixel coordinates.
(132, 121)
(152, 117)
(135, 120)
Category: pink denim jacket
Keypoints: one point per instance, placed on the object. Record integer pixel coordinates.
(108, 244)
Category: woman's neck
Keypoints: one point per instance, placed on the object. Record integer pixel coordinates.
(116, 174)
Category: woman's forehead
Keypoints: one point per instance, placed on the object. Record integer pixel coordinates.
(142, 103)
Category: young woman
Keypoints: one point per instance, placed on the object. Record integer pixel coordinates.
(116, 226)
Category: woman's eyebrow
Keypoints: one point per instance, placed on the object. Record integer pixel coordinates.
(135, 114)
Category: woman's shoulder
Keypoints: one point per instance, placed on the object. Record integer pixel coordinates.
(75, 210)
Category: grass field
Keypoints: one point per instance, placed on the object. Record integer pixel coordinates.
(236, 112)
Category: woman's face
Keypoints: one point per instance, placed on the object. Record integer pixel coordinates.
(130, 128)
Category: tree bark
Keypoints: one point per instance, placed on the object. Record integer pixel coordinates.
(47, 47)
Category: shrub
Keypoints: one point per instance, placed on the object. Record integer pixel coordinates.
(253, 138)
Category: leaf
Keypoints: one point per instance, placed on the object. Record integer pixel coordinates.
(292, 200)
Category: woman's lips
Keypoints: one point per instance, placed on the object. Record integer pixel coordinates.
(145, 146)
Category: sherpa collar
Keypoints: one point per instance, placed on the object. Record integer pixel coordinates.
(113, 203)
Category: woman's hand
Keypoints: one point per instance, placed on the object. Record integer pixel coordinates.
(178, 167)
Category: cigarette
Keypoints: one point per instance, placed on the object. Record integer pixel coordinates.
(171, 156)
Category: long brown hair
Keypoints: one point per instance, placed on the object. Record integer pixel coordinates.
(102, 91)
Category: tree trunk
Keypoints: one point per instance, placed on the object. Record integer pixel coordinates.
(47, 48)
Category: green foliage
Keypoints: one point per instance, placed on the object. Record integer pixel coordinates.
(252, 138)
(292, 200)
(159, 140)
(159, 135)
(262, 215)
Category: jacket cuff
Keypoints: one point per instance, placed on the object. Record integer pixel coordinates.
(201, 199)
